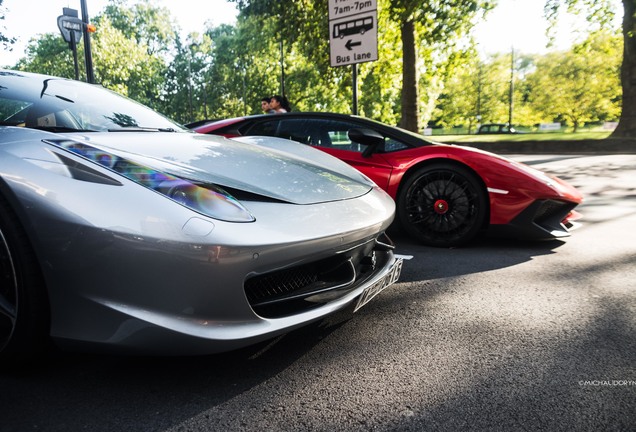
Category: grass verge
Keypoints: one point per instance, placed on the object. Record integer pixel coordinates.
(535, 137)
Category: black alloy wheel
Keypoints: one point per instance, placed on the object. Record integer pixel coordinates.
(442, 205)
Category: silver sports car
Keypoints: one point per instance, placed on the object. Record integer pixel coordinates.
(121, 230)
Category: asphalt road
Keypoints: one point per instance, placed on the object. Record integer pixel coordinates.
(498, 336)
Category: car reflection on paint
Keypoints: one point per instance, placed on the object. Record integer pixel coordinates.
(445, 194)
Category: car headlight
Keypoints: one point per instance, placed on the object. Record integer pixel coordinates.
(209, 200)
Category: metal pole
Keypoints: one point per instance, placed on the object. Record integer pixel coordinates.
(478, 115)
(74, 49)
(479, 78)
(354, 76)
(190, 82)
(90, 77)
(512, 84)
(282, 68)
(205, 102)
(244, 91)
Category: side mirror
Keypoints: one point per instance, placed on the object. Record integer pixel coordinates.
(367, 137)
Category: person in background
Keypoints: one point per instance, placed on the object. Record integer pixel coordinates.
(279, 104)
(265, 106)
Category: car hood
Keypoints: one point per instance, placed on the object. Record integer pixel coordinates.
(269, 167)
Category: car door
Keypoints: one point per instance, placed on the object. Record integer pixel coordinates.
(330, 136)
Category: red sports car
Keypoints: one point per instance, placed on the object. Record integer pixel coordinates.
(445, 194)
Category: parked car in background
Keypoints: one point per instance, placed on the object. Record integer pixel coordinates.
(445, 194)
(496, 128)
(122, 231)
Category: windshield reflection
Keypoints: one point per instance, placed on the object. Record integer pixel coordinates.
(66, 105)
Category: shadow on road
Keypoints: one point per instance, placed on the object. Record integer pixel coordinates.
(483, 254)
(71, 391)
(75, 391)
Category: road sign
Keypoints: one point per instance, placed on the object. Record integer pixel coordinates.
(68, 24)
(353, 37)
(343, 8)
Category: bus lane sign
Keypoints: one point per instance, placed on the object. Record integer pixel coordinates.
(353, 31)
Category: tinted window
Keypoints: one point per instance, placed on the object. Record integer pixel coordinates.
(302, 130)
(319, 133)
(391, 145)
(267, 128)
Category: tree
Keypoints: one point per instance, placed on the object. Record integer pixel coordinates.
(425, 28)
(185, 94)
(478, 91)
(432, 24)
(581, 85)
(149, 26)
(627, 123)
(48, 54)
(146, 33)
(137, 74)
(601, 13)
(6, 41)
(462, 98)
(122, 63)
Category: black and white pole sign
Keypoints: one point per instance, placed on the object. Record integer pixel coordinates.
(353, 31)
(70, 25)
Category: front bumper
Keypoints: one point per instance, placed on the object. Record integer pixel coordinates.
(541, 220)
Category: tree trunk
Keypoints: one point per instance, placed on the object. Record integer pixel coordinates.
(410, 113)
(627, 124)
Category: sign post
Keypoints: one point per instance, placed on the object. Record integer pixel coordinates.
(353, 36)
(88, 56)
(71, 28)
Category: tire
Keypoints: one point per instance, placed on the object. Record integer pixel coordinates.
(24, 312)
(442, 205)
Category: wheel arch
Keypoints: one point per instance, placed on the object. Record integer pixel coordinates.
(15, 221)
(10, 202)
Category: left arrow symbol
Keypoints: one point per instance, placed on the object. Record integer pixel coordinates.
(351, 44)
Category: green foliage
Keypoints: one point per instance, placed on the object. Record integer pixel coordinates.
(5, 40)
(137, 74)
(50, 55)
(574, 87)
(598, 13)
(184, 95)
(582, 85)
(225, 71)
(379, 81)
(429, 33)
(122, 63)
(479, 92)
(302, 27)
(148, 25)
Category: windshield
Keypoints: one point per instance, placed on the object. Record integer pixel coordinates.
(65, 105)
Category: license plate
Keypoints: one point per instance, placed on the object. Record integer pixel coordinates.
(389, 279)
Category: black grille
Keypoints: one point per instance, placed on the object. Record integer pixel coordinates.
(550, 214)
(309, 285)
(550, 209)
(281, 283)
